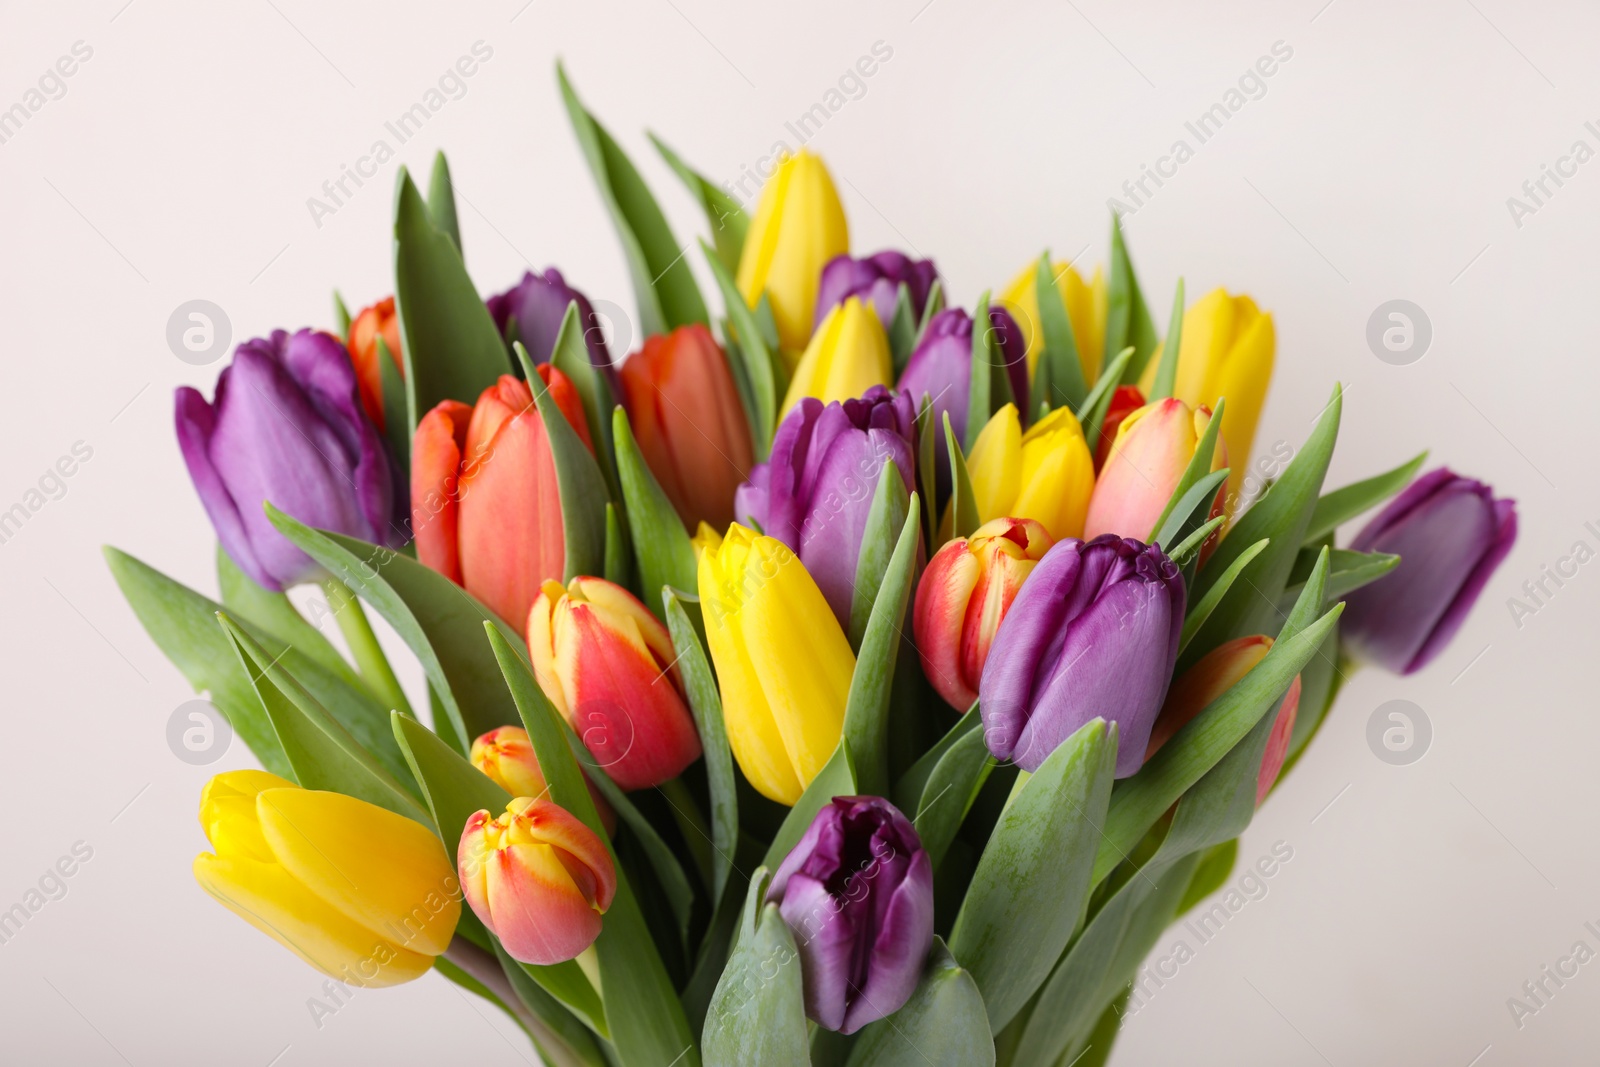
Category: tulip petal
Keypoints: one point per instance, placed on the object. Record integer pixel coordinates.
(995, 465)
(539, 913)
(904, 937)
(943, 596)
(435, 468)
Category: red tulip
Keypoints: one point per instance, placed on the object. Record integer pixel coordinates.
(485, 506)
(689, 422)
(376, 321)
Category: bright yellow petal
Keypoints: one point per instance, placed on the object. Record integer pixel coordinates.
(995, 464)
(1244, 381)
(228, 812)
(1021, 298)
(799, 226)
(1086, 309)
(1057, 482)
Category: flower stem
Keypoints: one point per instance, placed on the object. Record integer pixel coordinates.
(370, 660)
(691, 823)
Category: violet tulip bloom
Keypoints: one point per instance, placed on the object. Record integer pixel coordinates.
(815, 491)
(857, 892)
(286, 427)
(1450, 533)
(539, 303)
(876, 278)
(1093, 634)
(941, 367)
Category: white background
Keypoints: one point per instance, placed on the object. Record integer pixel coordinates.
(1376, 166)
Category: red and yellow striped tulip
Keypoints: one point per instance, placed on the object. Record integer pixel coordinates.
(506, 755)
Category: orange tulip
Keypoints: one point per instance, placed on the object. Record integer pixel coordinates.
(1153, 446)
(506, 755)
(689, 422)
(376, 321)
(485, 506)
(538, 878)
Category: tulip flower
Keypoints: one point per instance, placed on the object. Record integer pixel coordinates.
(876, 279)
(606, 663)
(1152, 449)
(689, 422)
(1451, 533)
(506, 756)
(1125, 400)
(815, 491)
(538, 878)
(964, 595)
(1227, 351)
(365, 896)
(782, 660)
(1217, 672)
(1045, 474)
(798, 227)
(848, 355)
(378, 320)
(286, 429)
(1086, 311)
(538, 303)
(857, 892)
(1093, 634)
(486, 509)
(941, 365)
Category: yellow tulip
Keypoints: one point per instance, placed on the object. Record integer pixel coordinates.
(363, 895)
(1228, 349)
(848, 355)
(783, 663)
(799, 226)
(1086, 310)
(1046, 474)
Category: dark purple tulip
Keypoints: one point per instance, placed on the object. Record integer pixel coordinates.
(941, 365)
(539, 303)
(876, 278)
(1450, 533)
(1093, 634)
(857, 892)
(287, 427)
(815, 491)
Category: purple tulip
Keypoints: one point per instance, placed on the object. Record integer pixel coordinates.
(941, 365)
(815, 491)
(857, 892)
(1093, 634)
(287, 427)
(539, 303)
(1451, 533)
(876, 278)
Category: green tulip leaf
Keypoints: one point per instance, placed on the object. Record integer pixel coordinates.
(396, 424)
(450, 343)
(836, 779)
(885, 520)
(1032, 881)
(913, 782)
(1128, 322)
(963, 503)
(1344, 504)
(927, 469)
(903, 329)
(757, 352)
(1188, 549)
(1191, 511)
(273, 613)
(442, 201)
(619, 562)
(951, 789)
(981, 365)
(944, 1024)
(1201, 610)
(1167, 370)
(1213, 869)
(565, 1040)
(728, 220)
(341, 315)
(437, 619)
(570, 356)
(1092, 415)
(934, 305)
(1059, 366)
(1182, 506)
(1320, 682)
(757, 1013)
(661, 545)
(663, 285)
(1347, 572)
(578, 476)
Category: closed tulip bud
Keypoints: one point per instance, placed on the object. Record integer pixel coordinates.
(1086, 311)
(1093, 634)
(1213, 675)
(485, 505)
(506, 755)
(689, 422)
(286, 429)
(1152, 449)
(532, 311)
(1450, 533)
(876, 279)
(815, 491)
(1045, 474)
(605, 662)
(965, 592)
(1227, 351)
(378, 320)
(798, 227)
(848, 355)
(941, 367)
(365, 896)
(538, 878)
(782, 660)
(857, 893)
(1125, 400)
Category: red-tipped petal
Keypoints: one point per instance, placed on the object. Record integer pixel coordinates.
(435, 470)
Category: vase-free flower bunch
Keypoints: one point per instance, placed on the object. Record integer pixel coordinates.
(845, 679)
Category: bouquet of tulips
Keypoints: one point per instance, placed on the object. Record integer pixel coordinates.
(845, 679)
